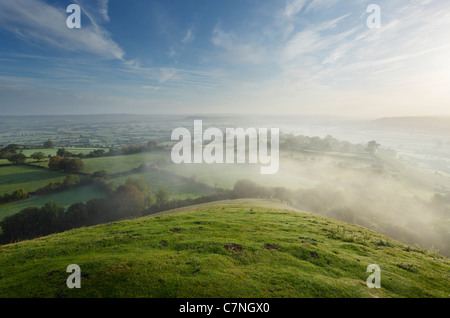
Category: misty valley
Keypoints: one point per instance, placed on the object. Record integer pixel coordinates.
(63, 173)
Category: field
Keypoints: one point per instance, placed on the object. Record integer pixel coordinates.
(77, 131)
(222, 250)
(28, 178)
(65, 198)
(177, 187)
(117, 164)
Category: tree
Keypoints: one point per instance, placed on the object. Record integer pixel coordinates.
(20, 226)
(51, 221)
(8, 151)
(95, 207)
(17, 158)
(55, 163)
(162, 197)
(101, 174)
(17, 195)
(48, 144)
(125, 201)
(71, 180)
(64, 164)
(76, 216)
(39, 156)
(74, 165)
(33, 222)
(12, 148)
(61, 152)
(52, 186)
(372, 146)
(20, 194)
(139, 183)
(97, 153)
(249, 189)
(149, 201)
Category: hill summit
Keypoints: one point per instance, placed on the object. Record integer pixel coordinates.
(232, 249)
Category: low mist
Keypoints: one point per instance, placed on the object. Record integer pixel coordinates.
(376, 191)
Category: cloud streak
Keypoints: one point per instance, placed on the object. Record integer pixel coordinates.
(37, 22)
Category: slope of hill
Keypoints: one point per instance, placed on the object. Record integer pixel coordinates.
(242, 248)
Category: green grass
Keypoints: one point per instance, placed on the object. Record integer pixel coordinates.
(177, 187)
(65, 198)
(28, 178)
(221, 250)
(116, 164)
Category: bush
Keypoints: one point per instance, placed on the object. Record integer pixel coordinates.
(102, 174)
(71, 180)
(19, 194)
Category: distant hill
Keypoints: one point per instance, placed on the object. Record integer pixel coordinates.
(243, 248)
(414, 123)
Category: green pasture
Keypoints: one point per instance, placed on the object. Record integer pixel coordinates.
(28, 178)
(65, 198)
(117, 164)
(177, 187)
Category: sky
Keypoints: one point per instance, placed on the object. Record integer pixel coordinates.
(309, 57)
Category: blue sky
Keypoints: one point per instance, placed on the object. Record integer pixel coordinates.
(225, 56)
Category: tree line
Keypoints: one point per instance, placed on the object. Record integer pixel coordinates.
(125, 150)
(291, 142)
(17, 195)
(14, 155)
(130, 200)
(135, 199)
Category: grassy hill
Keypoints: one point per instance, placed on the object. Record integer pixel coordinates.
(242, 248)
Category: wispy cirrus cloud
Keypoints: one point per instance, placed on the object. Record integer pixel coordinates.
(317, 5)
(96, 10)
(40, 23)
(293, 7)
(176, 49)
(189, 37)
(236, 50)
